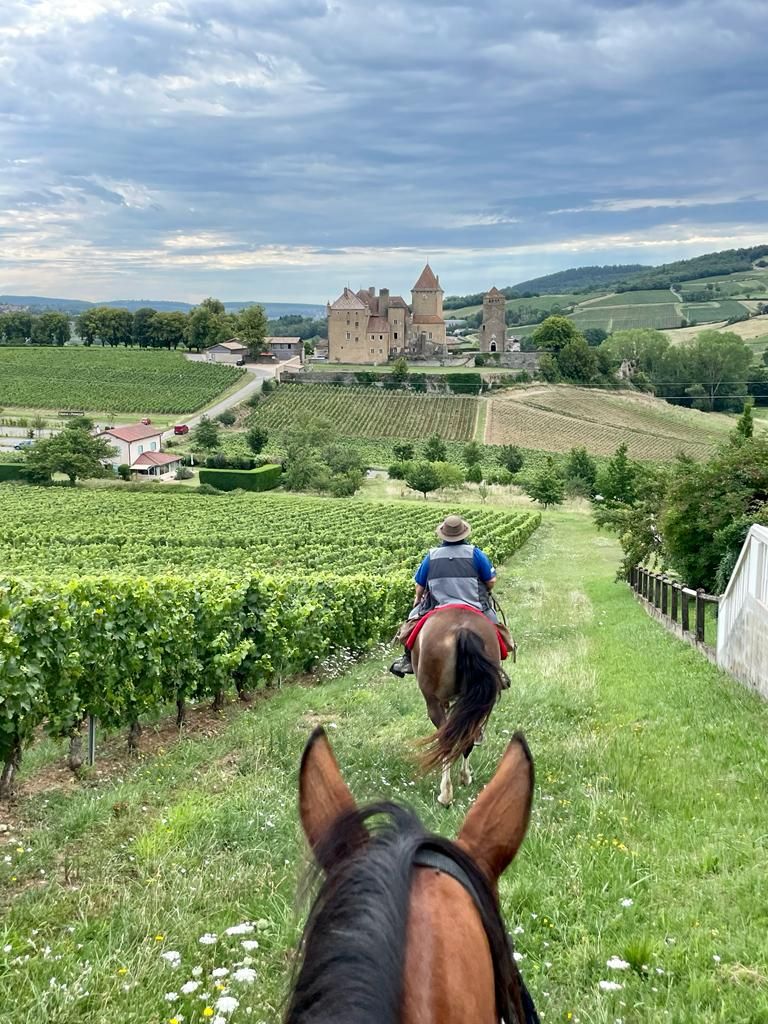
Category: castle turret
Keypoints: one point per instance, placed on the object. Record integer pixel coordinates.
(493, 331)
(427, 300)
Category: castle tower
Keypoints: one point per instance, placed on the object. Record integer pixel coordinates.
(427, 303)
(493, 331)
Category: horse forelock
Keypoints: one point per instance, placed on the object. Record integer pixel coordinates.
(353, 948)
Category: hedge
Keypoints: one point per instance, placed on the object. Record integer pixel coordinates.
(12, 471)
(262, 479)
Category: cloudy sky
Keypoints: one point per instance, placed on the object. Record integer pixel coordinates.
(279, 149)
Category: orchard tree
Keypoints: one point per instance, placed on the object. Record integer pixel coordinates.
(547, 486)
(580, 473)
(423, 477)
(618, 481)
(403, 452)
(472, 454)
(256, 438)
(435, 450)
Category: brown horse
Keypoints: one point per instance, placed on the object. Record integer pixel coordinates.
(406, 927)
(457, 664)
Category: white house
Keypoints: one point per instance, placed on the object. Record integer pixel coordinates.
(138, 446)
(227, 351)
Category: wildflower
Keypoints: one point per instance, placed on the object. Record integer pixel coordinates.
(616, 964)
(627, 902)
(171, 997)
(518, 931)
(208, 939)
(197, 971)
(208, 1011)
(219, 972)
(159, 938)
(227, 1004)
(240, 929)
(8, 948)
(249, 944)
(244, 974)
(610, 986)
(518, 956)
(716, 958)
(172, 956)
(189, 987)
(262, 924)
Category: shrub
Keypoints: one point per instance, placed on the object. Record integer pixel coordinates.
(182, 473)
(345, 485)
(474, 474)
(510, 457)
(11, 471)
(464, 383)
(124, 471)
(262, 479)
(227, 418)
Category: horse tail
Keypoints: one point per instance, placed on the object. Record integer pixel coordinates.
(478, 684)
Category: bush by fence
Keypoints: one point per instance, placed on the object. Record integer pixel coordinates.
(119, 647)
(264, 478)
(12, 471)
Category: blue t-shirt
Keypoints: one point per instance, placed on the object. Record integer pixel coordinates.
(482, 562)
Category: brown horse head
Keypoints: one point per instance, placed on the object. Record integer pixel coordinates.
(395, 937)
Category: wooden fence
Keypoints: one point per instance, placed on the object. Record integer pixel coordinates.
(692, 614)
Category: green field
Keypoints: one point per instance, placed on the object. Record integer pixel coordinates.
(658, 297)
(543, 303)
(558, 418)
(712, 312)
(370, 412)
(622, 317)
(647, 841)
(113, 380)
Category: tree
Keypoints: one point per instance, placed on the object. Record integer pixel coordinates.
(170, 330)
(594, 336)
(16, 327)
(577, 362)
(256, 438)
(548, 369)
(227, 417)
(554, 333)
(80, 423)
(86, 326)
(423, 477)
(618, 481)
(720, 362)
(50, 328)
(580, 473)
(214, 306)
(472, 454)
(510, 457)
(547, 486)
(143, 327)
(206, 434)
(252, 328)
(643, 347)
(474, 474)
(400, 370)
(435, 449)
(745, 426)
(403, 452)
(73, 452)
(449, 473)
(342, 459)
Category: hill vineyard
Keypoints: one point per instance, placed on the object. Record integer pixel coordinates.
(109, 380)
(370, 412)
(122, 614)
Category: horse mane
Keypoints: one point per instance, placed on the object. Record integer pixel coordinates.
(353, 945)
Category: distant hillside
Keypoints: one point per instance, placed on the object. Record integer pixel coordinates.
(581, 279)
(713, 264)
(39, 303)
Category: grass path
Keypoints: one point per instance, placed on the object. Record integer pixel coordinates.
(651, 783)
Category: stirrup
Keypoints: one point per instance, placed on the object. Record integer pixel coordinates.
(401, 667)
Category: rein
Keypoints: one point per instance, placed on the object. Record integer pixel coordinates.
(428, 856)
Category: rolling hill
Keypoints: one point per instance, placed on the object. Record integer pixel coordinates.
(41, 303)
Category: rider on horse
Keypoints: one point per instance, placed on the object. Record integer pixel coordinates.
(453, 573)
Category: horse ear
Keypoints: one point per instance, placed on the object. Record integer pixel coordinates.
(496, 823)
(323, 794)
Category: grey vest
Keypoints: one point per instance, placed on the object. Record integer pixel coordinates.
(453, 577)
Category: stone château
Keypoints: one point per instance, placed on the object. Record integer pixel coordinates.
(364, 327)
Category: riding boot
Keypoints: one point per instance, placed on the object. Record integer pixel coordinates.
(403, 666)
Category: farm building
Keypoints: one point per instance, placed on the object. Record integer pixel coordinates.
(285, 348)
(138, 446)
(227, 351)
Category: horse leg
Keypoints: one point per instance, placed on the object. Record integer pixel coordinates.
(437, 716)
(466, 773)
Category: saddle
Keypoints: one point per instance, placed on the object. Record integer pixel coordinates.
(503, 649)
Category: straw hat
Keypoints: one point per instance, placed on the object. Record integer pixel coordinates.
(453, 528)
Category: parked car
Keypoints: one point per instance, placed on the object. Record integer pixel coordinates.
(146, 421)
(26, 443)
(181, 428)
(240, 362)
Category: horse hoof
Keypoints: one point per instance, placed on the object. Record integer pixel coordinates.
(443, 801)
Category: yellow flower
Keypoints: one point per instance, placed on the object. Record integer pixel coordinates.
(122, 970)
(159, 938)
(208, 1011)
(220, 987)
(173, 1020)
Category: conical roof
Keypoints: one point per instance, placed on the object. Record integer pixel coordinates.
(494, 293)
(427, 282)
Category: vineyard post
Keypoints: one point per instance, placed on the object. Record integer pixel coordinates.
(91, 740)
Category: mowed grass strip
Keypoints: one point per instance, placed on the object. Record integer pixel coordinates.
(647, 844)
(116, 380)
(371, 412)
(558, 419)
